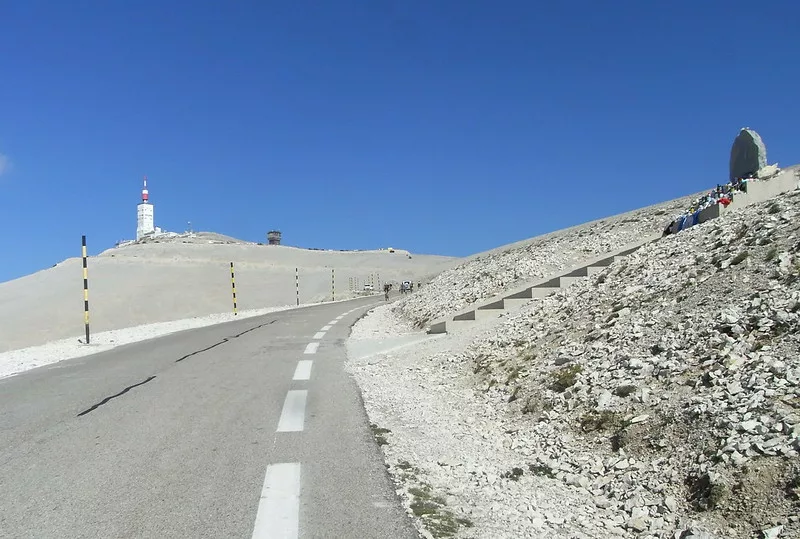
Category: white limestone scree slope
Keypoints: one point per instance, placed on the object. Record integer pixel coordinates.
(512, 298)
(485, 275)
(656, 397)
(184, 276)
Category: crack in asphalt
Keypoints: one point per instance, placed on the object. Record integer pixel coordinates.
(102, 402)
(223, 341)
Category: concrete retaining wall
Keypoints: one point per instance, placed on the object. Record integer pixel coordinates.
(757, 191)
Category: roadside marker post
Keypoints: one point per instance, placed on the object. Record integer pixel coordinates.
(333, 285)
(297, 284)
(85, 288)
(233, 289)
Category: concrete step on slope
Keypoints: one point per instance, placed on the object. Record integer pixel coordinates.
(507, 301)
(512, 304)
(512, 300)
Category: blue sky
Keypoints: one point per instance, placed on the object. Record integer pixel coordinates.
(438, 126)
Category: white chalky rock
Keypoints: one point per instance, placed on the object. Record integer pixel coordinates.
(699, 377)
(772, 533)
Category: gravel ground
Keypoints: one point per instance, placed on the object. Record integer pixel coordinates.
(657, 399)
(448, 450)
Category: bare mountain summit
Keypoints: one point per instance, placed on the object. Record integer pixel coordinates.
(658, 398)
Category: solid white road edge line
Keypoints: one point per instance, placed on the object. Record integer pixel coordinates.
(311, 348)
(326, 328)
(303, 370)
(278, 513)
(294, 411)
(318, 335)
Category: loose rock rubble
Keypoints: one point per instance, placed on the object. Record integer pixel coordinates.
(448, 451)
(657, 399)
(485, 275)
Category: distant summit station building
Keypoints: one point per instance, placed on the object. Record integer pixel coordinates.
(144, 215)
(274, 237)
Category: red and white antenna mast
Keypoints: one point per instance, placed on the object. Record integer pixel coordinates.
(145, 193)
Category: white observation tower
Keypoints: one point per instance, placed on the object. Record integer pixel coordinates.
(144, 215)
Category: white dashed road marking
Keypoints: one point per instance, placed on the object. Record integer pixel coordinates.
(279, 507)
(294, 411)
(303, 370)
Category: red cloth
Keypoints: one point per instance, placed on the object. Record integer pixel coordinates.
(724, 201)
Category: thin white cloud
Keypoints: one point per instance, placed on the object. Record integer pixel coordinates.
(5, 164)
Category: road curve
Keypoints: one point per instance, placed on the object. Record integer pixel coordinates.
(246, 429)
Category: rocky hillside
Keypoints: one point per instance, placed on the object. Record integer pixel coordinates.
(667, 386)
(170, 278)
(484, 275)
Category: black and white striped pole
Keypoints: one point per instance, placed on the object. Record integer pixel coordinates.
(233, 289)
(333, 285)
(85, 288)
(297, 284)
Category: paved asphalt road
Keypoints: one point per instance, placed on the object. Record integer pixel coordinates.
(205, 442)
